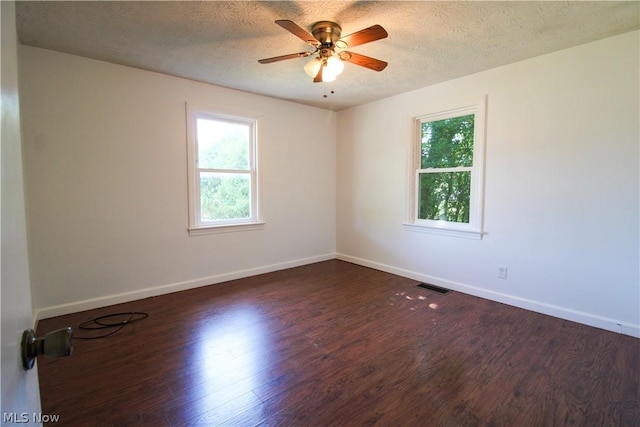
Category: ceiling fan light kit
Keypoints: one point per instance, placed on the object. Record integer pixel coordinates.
(325, 38)
(332, 67)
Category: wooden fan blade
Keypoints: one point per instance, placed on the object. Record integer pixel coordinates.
(283, 57)
(298, 31)
(373, 33)
(318, 77)
(363, 61)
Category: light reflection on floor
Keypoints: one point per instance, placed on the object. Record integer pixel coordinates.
(432, 305)
(233, 350)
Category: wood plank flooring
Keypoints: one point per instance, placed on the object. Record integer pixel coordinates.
(335, 344)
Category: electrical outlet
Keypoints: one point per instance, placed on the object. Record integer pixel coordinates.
(502, 272)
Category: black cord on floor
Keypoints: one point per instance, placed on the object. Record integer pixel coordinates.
(102, 322)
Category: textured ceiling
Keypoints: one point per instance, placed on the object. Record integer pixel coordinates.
(220, 42)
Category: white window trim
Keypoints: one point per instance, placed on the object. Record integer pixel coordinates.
(197, 227)
(474, 229)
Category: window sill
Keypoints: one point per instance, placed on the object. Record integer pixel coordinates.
(445, 231)
(226, 228)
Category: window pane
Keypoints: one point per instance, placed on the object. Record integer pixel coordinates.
(445, 196)
(224, 196)
(223, 144)
(447, 143)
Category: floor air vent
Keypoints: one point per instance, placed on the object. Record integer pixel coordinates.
(434, 288)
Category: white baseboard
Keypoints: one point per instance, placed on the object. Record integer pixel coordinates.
(539, 307)
(89, 304)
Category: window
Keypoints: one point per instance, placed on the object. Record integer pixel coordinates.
(223, 190)
(447, 177)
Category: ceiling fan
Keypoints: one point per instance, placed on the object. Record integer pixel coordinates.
(325, 39)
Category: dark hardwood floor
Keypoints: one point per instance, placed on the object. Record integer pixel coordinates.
(335, 344)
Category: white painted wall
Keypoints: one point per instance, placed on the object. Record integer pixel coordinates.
(562, 186)
(106, 179)
(105, 163)
(20, 391)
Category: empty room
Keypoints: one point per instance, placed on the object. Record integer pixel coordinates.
(320, 213)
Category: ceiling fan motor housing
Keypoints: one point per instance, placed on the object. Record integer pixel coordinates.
(326, 32)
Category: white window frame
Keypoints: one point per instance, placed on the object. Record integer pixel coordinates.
(474, 228)
(196, 225)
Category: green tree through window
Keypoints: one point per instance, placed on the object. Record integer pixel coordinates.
(223, 162)
(222, 151)
(446, 161)
(447, 180)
